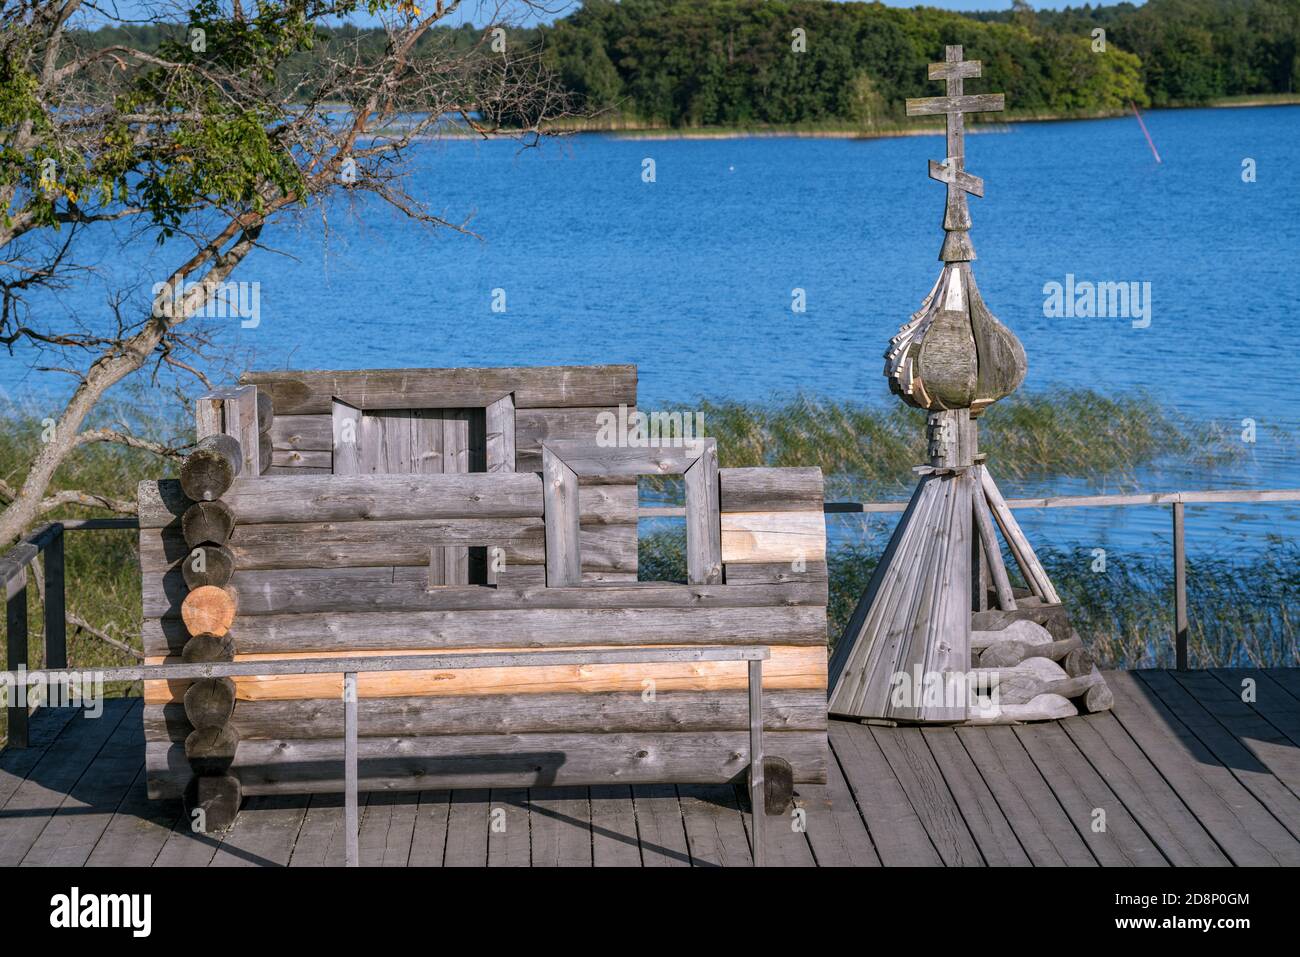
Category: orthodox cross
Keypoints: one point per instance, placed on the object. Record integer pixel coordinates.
(952, 171)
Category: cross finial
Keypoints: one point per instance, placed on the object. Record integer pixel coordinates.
(954, 70)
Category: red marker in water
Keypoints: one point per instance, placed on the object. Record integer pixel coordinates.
(1144, 131)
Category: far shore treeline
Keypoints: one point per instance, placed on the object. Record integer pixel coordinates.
(733, 63)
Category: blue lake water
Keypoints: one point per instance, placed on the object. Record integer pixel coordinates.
(691, 278)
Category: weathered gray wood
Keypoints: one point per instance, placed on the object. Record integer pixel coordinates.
(509, 842)
(16, 655)
(500, 435)
(1180, 589)
(56, 624)
(748, 573)
(203, 523)
(703, 531)
(603, 712)
(614, 838)
(660, 827)
(515, 628)
(563, 555)
(1030, 566)
(771, 489)
(1008, 654)
(1147, 795)
(207, 565)
(265, 411)
(715, 826)
(453, 761)
(992, 553)
(1042, 827)
(467, 825)
(208, 471)
(293, 596)
(1256, 753)
(264, 833)
(971, 103)
(1083, 793)
(560, 826)
(83, 815)
(209, 702)
(358, 499)
(897, 832)
(536, 426)
(979, 809)
(918, 774)
(202, 648)
(211, 750)
(298, 393)
(351, 775)
(429, 838)
(587, 458)
(836, 833)
(301, 462)
(139, 827)
(304, 433)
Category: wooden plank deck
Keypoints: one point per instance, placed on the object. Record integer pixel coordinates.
(1182, 772)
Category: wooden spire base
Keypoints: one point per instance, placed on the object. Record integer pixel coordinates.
(920, 648)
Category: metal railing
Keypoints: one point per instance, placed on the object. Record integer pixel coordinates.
(1176, 501)
(754, 656)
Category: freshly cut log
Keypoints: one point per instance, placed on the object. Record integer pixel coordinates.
(208, 610)
(207, 523)
(512, 760)
(1007, 654)
(203, 649)
(211, 751)
(209, 702)
(790, 667)
(211, 469)
(218, 798)
(208, 565)
(1044, 707)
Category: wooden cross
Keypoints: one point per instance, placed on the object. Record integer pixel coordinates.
(954, 70)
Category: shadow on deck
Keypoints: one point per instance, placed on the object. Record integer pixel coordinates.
(1182, 772)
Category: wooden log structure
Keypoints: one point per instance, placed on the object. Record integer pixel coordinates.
(390, 495)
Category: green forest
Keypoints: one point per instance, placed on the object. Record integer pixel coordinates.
(815, 63)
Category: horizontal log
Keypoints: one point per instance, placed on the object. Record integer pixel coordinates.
(304, 433)
(790, 667)
(321, 590)
(592, 460)
(520, 629)
(750, 573)
(300, 393)
(771, 489)
(357, 498)
(1044, 707)
(298, 471)
(1006, 654)
(507, 714)
(302, 458)
(766, 537)
(219, 797)
(478, 761)
(535, 426)
(208, 471)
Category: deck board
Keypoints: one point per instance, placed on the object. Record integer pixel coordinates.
(1187, 772)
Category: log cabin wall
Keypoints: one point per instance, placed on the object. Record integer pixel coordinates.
(340, 564)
